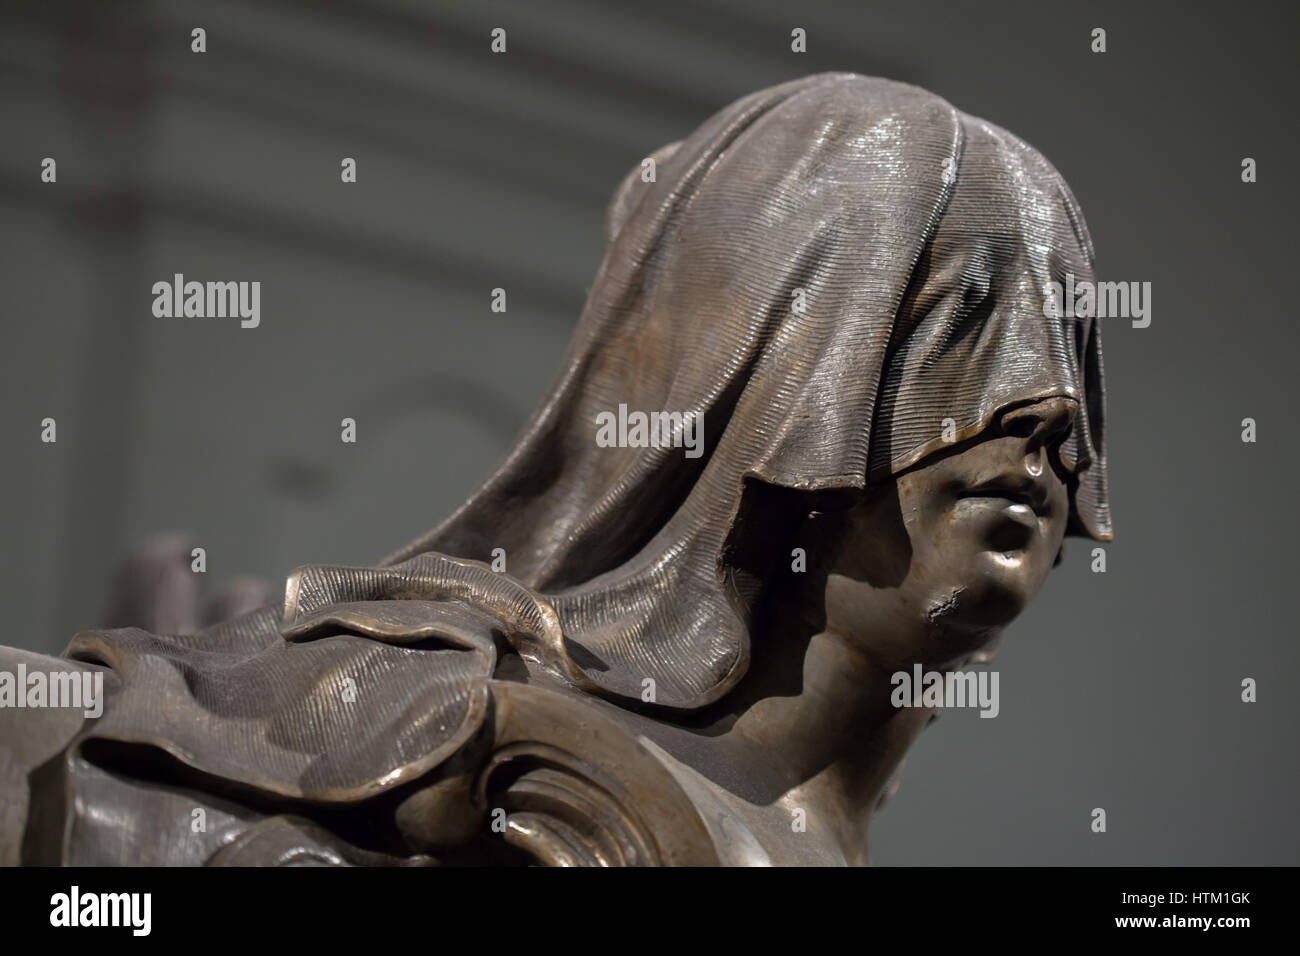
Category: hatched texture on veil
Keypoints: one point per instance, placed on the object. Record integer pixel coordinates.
(921, 241)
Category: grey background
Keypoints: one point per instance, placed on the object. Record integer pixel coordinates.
(1119, 690)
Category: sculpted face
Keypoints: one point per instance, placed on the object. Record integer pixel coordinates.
(933, 565)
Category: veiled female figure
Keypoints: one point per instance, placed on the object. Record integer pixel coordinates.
(646, 653)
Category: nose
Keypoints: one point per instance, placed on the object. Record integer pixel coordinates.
(1040, 424)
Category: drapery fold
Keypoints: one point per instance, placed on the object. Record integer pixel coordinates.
(837, 275)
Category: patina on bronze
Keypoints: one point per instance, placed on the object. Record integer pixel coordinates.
(843, 279)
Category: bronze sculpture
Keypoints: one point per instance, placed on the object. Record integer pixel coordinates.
(619, 652)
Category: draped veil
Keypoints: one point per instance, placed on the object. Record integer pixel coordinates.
(921, 242)
(827, 272)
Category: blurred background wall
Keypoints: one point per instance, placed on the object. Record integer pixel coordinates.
(475, 171)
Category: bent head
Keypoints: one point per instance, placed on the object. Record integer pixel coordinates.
(843, 278)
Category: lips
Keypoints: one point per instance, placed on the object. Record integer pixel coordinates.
(1005, 526)
(1014, 490)
(1013, 506)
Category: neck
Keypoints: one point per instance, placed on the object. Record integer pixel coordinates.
(832, 744)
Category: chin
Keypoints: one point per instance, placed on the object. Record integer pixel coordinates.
(1000, 586)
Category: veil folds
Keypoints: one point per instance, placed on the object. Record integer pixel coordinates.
(825, 273)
